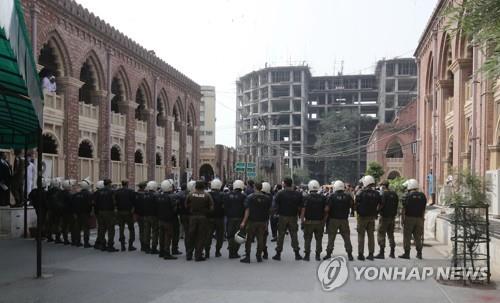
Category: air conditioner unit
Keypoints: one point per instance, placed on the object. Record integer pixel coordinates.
(493, 180)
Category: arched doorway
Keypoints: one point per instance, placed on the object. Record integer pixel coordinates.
(88, 165)
(206, 172)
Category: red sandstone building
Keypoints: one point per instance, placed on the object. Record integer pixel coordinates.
(458, 108)
(393, 144)
(118, 111)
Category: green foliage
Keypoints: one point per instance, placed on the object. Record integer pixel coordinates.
(396, 185)
(480, 21)
(468, 190)
(337, 144)
(375, 170)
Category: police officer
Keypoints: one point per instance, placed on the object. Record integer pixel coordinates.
(166, 215)
(176, 223)
(367, 203)
(199, 203)
(67, 213)
(338, 208)
(124, 198)
(55, 200)
(139, 201)
(81, 203)
(288, 204)
(313, 219)
(234, 209)
(215, 219)
(105, 207)
(388, 211)
(266, 189)
(183, 211)
(257, 208)
(151, 218)
(99, 242)
(414, 204)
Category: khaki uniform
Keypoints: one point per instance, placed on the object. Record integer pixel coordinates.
(258, 230)
(366, 225)
(385, 226)
(313, 228)
(287, 223)
(151, 232)
(215, 225)
(199, 204)
(233, 225)
(413, 226)
(106, 221)
(342, 225)
(125, 217)
(166, 234)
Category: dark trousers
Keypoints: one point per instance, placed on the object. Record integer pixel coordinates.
(313, 228)
(106, 221)
(274, 226)
(185, 226)
(342, 226)
(81, 224)
(4, 197)
(233, 225)
(287, 223)
(255, 230)
(140, 223)
(67, 225)
(125, 217)
(151, 232)
(197, 234)
(215, 225)
(366, 225)
(385, 227)
(175, 237)
(166, 233)
(54, 223)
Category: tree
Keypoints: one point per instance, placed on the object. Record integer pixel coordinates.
(375, 170)
(337, 144)
(479, 20)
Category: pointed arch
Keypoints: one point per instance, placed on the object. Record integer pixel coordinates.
(162, 108)
(178, 110)
(92, 59)
(394, 149)
(121, 75)
(191, 116)
(429, 77)
(62, 63)
(445, 57)
(146, 90)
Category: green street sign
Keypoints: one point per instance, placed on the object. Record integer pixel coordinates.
(239, 169)
(240, 165)
(250, 169)
(250, 165)
(251, 174)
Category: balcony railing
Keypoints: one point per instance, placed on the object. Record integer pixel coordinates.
(141, 172)
(394, 160)
(53, 101)
(118, 119)
(141, 126)
(159, 173)
(468, 90)
(88, 110)
(118, 171)
(160, 132)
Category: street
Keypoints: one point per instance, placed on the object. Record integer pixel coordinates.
(87, 275)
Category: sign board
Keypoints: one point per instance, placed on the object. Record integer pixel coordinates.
(240, 165)
(250, 169)
(251, 174)
(251, 165)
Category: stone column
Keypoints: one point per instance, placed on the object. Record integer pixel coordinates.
(460, 68)
(443, 92)
(68, 87)
(151, 144)
(34, 10)
(169, 128)
(182, 151)
(130, 141)
(100, 98)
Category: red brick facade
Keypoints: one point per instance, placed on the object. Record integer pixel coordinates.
(75, 37)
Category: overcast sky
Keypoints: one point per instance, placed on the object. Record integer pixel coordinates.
(214, 42)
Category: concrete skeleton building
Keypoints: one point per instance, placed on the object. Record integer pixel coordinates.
(279, 110)
(207, 117)
(119, 111)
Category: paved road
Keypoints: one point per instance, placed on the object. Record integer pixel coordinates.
(86, 275)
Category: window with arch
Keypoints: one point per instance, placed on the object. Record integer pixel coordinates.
(173, 161)
(160, 112)
(49, 144)
(115, 153)
(118, 95)
(85, 149)
(50, 59)
(394, 150)
(87, 76)
(140, 110)
(138, 157)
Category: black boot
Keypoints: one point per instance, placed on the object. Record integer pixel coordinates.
(217, 253)
(176, 252)
(277, 257)
(207, 254)
(328, 256)
(112, 249)
(306, 257)
(189, 257)
(419, 255)
(154, 251)
(259, 258)
(87, 245)
(297, 256)
(350, 257)
(361, 257)
(318, 256)
(169, 257)
(380, 255)
(391, 254)
(406, 255)
(123, 246)
(370, 257)
(131, 246)
(246, 259)
(265, 254)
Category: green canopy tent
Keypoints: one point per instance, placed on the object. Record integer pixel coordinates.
(21, 98)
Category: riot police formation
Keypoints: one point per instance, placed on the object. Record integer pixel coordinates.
(204, 213)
